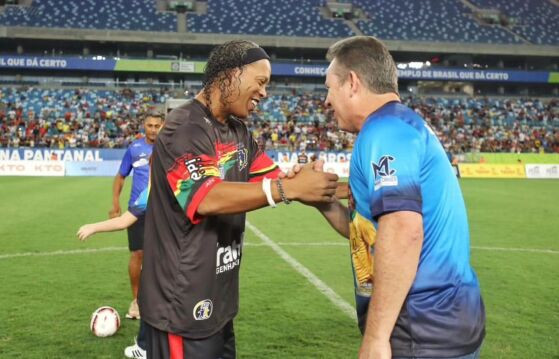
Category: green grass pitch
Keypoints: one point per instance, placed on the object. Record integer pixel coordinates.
(46, 300)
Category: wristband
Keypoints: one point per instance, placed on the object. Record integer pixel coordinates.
(267, 188)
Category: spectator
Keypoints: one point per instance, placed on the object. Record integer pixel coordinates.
(98, 118)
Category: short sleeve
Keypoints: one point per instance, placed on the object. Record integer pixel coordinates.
(391, 152)
(195, 170)
(126, 164)
(261, 165)
(138, 208)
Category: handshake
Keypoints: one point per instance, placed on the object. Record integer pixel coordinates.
(309, 184)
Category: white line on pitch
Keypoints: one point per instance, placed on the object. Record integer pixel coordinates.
(338, 301)
(301, 244)
(61, 252)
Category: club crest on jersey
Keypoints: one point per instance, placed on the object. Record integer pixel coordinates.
(203, 309)
(384, 175)
(242, 157)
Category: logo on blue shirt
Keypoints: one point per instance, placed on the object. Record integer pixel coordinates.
(384, 176)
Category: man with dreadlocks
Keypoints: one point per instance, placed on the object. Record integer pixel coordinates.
(204, 167)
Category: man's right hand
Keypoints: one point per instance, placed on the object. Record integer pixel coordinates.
(114, 212)
(317, 165)
(309, 185)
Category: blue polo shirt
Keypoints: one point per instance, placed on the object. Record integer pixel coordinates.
(398, 164)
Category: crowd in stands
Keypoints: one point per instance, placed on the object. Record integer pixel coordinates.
(297, 122)
(63, 118)
(60, 118)
(492, 125)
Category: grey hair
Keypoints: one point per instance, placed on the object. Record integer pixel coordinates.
(369, 59)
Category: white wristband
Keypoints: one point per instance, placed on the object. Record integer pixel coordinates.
(267, 188)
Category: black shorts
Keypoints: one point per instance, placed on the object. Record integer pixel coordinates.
(136, 235)
(163, 345)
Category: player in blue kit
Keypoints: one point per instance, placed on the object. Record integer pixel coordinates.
(416, 293)
(136, 158)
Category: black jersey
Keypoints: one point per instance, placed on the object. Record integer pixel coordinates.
(190, 273)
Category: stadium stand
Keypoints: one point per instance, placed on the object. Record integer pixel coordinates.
(267, 17)
(492, 125)
(428, 20)
(72, 118)
(102, 118)
(535, 20)
(136, 15)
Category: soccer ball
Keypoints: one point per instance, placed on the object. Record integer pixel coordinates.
(105, 321)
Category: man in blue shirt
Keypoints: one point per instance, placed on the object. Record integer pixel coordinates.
(416, 293)
(137, 158)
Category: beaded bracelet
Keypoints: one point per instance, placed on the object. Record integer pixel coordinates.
(282, 193)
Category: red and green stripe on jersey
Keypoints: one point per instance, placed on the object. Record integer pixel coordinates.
(192, 176)
(263, 166)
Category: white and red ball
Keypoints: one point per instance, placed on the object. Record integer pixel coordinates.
(105, 321)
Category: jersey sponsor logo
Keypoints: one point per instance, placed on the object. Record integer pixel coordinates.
(195, 168)
(384, 175)
(228, 257)
(141, 162)
(187, 172)
(203, 309)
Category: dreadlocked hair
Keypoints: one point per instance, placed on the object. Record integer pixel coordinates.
(223, 61)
